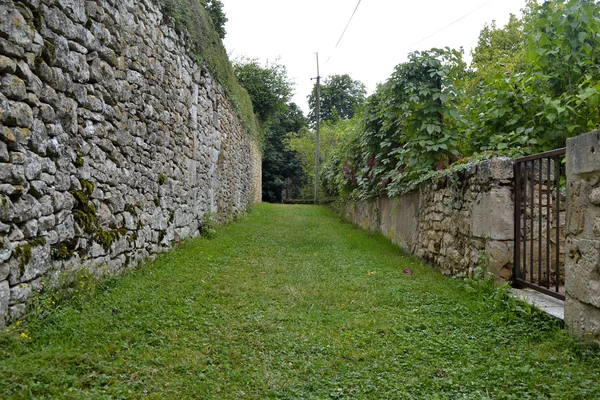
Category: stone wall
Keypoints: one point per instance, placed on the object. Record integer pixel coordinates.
(114, 143)
(455, 223)
(582, 269)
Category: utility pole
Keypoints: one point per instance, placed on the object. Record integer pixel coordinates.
(318, 113)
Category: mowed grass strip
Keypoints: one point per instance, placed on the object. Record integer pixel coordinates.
(292, 303)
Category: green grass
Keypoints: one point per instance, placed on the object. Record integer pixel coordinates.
(280, 306)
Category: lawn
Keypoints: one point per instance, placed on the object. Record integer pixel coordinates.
(290, 302)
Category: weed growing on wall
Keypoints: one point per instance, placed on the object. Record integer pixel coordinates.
(209, 225)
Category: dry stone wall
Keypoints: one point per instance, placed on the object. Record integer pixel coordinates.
(456, 223)
(582, 264)
(114, 143)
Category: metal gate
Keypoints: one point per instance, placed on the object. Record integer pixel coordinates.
(540, 205)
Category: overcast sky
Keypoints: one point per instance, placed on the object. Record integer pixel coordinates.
(379, 37)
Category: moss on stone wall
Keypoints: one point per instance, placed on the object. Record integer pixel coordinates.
(190, 16)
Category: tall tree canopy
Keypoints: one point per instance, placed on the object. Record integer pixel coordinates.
(217, 15)
(268, 86)
(340, 98)
(270, 91)
(283, 175)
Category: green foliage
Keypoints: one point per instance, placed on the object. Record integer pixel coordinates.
(270, 90)
(556, 96)
(303, 142)
(210, 222)
(282, 171)
(534, 83)
(85, 216)
(62, 252)
(23, 252)
(217, 16)
(341, 97)
(409, 127)
(268, 86)
(499, 51)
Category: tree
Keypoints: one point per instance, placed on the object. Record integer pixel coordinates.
(217, 15)
(500, 51)
(340, 97)
(282, 166)
(268, 86)
(270, 89)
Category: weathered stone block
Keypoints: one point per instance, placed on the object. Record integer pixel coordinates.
(4, 300)
(581, 319)
(582, 269)
(585, 151)
(493, 215)
(14, 26)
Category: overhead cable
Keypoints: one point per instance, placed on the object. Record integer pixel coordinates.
(450, 24)
(346, 28)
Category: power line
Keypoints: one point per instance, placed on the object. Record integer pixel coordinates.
(450, 24)
(342, 35)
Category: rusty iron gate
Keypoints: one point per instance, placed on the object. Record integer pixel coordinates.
(540, 205)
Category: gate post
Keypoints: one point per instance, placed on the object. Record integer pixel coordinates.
(582, 264)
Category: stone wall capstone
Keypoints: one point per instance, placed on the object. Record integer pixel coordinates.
(455, 223)
(114, 143)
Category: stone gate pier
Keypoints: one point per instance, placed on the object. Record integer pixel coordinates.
(582, 304)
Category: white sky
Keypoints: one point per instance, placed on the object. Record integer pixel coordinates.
(379, 37)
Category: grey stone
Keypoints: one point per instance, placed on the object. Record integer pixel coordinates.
(66, 229)
(39, 137)
(587, 150)
(51, 237)
(30, 229)
(13, 87)
(34, 83)
(27, 208)
(12, 173)
(17, 114)
(7, 65)
(4, 157)
(14, 26)
(46, 203)
(33, 167)
(4, 300)
(11, 49)
(39, 263)
(20, 293)
(493, 215)
(38, 189)
(5, 254)
(46, 223)
(595, 195)
(47, 113)
(7, 189)
(15, 234)
(17, 312)
(17, 158)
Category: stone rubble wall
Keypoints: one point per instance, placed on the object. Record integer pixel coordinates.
(455, 224)
(582, 266)
(114, 143)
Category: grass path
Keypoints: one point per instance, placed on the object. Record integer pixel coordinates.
(292, 303)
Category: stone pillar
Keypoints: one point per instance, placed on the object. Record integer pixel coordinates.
(582, 266)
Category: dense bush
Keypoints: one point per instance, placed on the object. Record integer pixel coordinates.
(531, 85)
